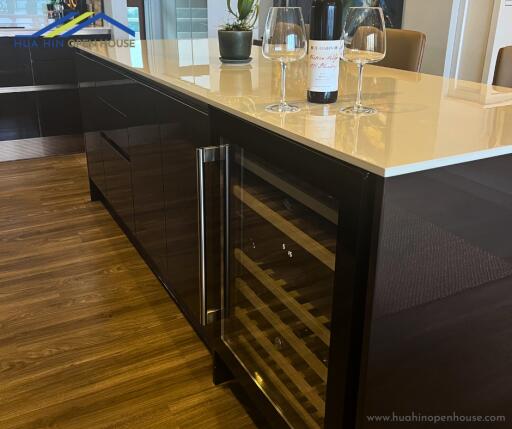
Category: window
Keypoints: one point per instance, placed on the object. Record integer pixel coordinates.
(22, 13)
(136, 18)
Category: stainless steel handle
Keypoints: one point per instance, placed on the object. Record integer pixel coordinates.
(204, 155)
(224, 299)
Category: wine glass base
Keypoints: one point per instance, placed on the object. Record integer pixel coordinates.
(280, 108)
(359, 110)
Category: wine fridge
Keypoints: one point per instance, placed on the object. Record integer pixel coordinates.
(281, 252)
(286, 276)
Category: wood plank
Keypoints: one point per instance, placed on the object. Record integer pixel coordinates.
(37, 147)
(276, 381)
(88, 336)
(324, 255)
(276, 288)
(277, 324)
(297, 377)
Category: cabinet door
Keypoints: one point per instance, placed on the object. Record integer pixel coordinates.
(15, 64)
(183, 130)
(282, 257)
(54, 72)
(18, 116)
(86, 72)
(114, 90)
(118, 182)
(292, 215)
(146, 164)
(58, 112)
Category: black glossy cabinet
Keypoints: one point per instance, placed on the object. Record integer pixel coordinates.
(183, 130)
(58, 112)
(248, 247)
(118, 183)
(87, 72)
(18, 116)
(141, 149)
(335, 294)
(106, 138)
(146, 164)
(15, 68)
(46, 99)
(269, 266)
(54, 72)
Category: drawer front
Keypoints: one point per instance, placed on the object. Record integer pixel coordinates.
(54, 72)
(59, 112)
(183, 130)
(54, 50)
(18, 116)
(118, 183)
(95, 150)
(114, 125)
(14, 64)
(146, 160)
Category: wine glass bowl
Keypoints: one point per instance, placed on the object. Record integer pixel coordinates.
(364, 42)
(284, 40)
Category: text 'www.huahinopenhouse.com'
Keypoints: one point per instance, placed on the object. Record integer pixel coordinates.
(434, 419)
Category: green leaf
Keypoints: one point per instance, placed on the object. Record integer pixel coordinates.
(231, 10)
(244, 9)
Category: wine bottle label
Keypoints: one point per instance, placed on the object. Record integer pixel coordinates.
(324, 65)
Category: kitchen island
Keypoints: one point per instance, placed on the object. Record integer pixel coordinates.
(338, 267)
(38, 85)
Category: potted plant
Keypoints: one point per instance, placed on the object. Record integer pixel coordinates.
(235, 38)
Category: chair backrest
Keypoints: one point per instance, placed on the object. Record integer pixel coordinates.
(503, 72)
(405, 50)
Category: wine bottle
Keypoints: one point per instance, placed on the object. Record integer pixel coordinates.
(324, 51)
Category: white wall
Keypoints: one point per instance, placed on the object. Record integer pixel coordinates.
(217, 15)
(117, 9)
(470, 45)
(432, 17)
(500, 35)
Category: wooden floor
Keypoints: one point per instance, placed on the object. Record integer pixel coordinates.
(88, 337)
(38, 147)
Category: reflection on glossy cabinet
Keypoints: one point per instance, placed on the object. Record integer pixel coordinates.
(118, 183)
(15, 67)
(182, 130)
(146, 164)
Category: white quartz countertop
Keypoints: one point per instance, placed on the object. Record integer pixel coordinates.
(424, 121)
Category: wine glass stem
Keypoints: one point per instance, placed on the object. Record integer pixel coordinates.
(283, 84)
(358, 105)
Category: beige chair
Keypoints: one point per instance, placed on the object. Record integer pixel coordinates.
(503, 72)
(404, 47)
(405, 50)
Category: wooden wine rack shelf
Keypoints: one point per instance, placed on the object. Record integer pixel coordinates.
(285, 389)
(312, 246)
(286, 298)
(283, 330)
(280, 316)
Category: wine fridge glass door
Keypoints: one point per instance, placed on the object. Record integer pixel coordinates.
(278, 291)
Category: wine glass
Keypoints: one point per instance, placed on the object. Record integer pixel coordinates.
(364, 41)
(284, 40)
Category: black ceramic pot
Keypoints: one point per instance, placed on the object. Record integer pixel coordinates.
(235, 45)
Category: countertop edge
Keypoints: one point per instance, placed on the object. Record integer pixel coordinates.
(386, 172)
